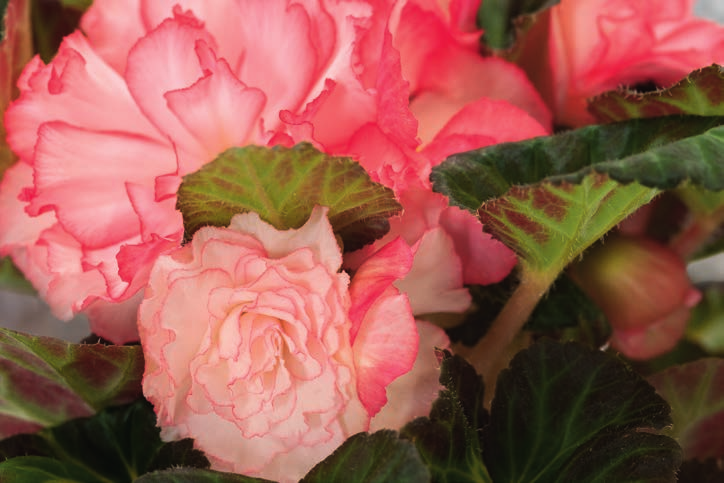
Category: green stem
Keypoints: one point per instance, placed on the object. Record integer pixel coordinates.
(487, 353)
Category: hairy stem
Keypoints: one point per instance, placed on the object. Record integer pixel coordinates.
(487, 354)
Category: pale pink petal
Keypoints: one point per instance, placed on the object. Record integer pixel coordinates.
(482, 123)
(315, 234)
(485, 260)
(457, 78)
(435, 282)
(112, 27)
(388, 328)
(411, 395)
(115, 321)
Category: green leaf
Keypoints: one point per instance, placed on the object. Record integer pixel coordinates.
(706, 325)
(565, 412)
(448, 439)
(696, 393)
(371, 458)
(564, 306)
(44, 470)
(117, 444)
(195, 475)
(700, 93)
(47, 381)
(283, 185)
(12, 279)
(502, 20)
(549, 198)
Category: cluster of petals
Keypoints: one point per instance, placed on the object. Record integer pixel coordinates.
(599, 45)
(104, 133)
(263, 351)
(106, 130)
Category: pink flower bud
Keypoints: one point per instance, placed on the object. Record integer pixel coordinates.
(644, 291)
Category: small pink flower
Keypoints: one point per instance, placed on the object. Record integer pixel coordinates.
(260, 349)
(643, 289)
(598, 45)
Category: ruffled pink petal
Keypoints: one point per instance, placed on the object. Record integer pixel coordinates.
(454, 79)
(222, 23)
(412, 394)
(218, 110)
(482, 123)
(484, 259)
(77, 87)
(112, 27)
(63, 170)
(17, 229)
(279, 55)
(388, 265)
(164, 61)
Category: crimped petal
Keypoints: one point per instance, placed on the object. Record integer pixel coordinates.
(78, 88)
(72, 160)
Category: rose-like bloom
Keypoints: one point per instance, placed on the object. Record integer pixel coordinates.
(643, 289)
(104, 135)
(598, 45)
(260, 349)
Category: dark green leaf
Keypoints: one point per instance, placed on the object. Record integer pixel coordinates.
(488, 300)
(179, 453)
(12, 279)
(565, 412)
(709, 471)
(194, 475)
(448, 439)
(696, 393)
(283, 185)
(503, 19)
(117, 444)
(549, 198)
(52, 20)
(37, 469)
(49, 381)
(701, 93)
(564, 306)
(371, 458)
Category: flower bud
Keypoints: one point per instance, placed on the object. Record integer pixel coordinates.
(643, 289)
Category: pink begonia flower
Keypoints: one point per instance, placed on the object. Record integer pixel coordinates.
(259, 348)
(102, 152)
(643, 289)
(598, 45)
